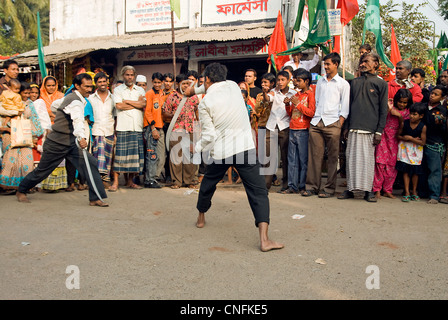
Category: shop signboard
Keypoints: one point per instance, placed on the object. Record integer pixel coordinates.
(148, 15)
(234, 11)
(229, 49)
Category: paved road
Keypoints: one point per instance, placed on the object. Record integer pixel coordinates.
(146, 246)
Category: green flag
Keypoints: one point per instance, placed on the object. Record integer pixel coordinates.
(372, 23)
(175, 6)
(445, 64)
(319, 29)
(443, 41)
(299, 15)
(40, 50)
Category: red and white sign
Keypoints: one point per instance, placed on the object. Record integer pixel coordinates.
(227, 11)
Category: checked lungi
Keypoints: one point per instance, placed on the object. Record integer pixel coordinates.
(129, 152)
(102, 151)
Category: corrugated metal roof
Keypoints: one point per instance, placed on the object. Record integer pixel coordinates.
(60, 50)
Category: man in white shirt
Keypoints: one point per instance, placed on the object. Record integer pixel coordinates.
(103, 106)
(332, 108)
(62, 142)
(226, 134)
(278, 128)
(296, 61)
(129, 151)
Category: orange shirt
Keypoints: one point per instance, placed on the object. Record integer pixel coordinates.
(303, 112)
(153, 110)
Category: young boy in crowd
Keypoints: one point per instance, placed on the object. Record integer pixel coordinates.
(435, 121)
(278, 126)
(301, 109)
(154, 135)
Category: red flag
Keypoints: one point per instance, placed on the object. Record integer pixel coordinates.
(395, 55)
(337, 44)
(277, 44)
(349, 9)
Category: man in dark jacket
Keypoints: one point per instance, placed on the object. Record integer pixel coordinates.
(364, 126)
(64, 141)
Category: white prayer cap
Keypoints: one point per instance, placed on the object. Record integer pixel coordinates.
(141, 78)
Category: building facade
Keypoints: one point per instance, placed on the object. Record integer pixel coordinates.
(104, 35)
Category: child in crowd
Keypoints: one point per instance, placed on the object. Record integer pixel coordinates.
(387, 149)
(412, 136)
(301, 109)
(11, 100)
(435, 121)
(290, 70)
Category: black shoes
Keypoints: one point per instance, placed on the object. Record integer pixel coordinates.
(346, 195)
(153, 185)
(370, 197)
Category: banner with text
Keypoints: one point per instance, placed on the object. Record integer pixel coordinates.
(229, 49)
(227, 11)
(154, 54)
(147, 15)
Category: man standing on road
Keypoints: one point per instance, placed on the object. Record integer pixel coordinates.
(61, 143)
(364, 126)
(129, 156)
(332, 107)
(226, 133)
(104, 113)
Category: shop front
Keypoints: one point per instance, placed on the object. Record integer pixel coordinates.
(237, 56)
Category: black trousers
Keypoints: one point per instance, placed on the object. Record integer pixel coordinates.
(52, 155)
(253, 182)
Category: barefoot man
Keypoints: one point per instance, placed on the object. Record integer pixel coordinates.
(62, 142)
(226, 134)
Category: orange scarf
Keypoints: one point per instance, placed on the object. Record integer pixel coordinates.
(50, 98)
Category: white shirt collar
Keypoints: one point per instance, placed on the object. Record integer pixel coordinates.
(81, 97)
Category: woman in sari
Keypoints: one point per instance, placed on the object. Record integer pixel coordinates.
(49, 93)
(18, 161)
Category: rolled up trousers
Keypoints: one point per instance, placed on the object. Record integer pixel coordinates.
(249, 172)
(52, 155)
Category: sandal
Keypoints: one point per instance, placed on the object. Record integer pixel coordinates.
(415, 197)
(406, 198)
(288, 191)
(135, 186)
(308, 193)
(112, 188)
(192, 186)
(324, 194)
(174, 186)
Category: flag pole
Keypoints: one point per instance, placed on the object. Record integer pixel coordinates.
(174, 44)
(343, 52)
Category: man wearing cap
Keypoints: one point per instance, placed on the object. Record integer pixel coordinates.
(141, 82)
(296, 62)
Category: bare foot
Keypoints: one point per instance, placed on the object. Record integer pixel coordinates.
(270, 245)
(389, 195)
(200, 223)
(378, 195)
(22, 197)
(98, 203)
(265, 243)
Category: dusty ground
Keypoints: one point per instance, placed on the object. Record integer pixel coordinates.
(146, 246)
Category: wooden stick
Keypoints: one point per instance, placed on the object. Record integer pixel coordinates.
(343, 52)
(174, 44)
